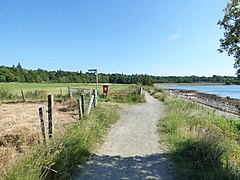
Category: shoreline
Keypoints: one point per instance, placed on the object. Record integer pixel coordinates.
(224, 105)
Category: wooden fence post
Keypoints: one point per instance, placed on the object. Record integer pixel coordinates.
(80, 109)
(61, 92)
(70, 91)
(96, 95)
(42, 119)
(95, 98)
(141, 91)
(50, 116)
(83, 104)
(90, 104)
(23, 96)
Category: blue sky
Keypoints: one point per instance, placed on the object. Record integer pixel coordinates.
(124, 36)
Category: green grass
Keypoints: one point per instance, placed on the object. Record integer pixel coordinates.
(5, 94)
(159, 94)
(129, 95)
(35, 91)
(61, 157)
(49, 86)
(204, 145)
(128, 98)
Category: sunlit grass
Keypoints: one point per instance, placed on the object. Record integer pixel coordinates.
(204, 145)
(12, 91)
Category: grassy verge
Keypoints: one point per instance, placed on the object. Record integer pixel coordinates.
(204, 145)
(59, 159)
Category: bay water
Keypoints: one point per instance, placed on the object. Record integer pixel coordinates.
(232, 91)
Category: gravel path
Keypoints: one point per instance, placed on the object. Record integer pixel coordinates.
(132, 149)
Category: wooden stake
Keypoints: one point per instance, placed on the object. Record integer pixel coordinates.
(90, 104)
(23, 96)
(70, 91)
(42, 120)
(80, 109)
(83, 104)
(141, 91)
(50, 116)
(95, 98)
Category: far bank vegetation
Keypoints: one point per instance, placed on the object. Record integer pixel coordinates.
(19, 74)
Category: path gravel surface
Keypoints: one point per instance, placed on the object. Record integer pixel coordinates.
(133, 149)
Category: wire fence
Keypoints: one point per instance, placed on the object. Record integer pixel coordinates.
(85, 99)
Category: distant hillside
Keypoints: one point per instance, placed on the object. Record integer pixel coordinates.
(19, 74)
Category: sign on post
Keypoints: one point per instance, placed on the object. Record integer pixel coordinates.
(105, 89)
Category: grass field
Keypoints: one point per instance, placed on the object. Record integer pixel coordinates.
(38, 91)
(55, 87)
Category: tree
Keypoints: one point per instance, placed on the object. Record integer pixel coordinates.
(146, 80)
(19, 66)
(2, 78)
(231, 25)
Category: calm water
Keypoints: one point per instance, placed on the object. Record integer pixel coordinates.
(220, 90)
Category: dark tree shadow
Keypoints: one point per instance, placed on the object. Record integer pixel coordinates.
(117, 167)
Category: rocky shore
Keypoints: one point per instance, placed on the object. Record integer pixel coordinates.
(225, 104)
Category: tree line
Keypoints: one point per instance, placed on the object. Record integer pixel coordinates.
(19, 74)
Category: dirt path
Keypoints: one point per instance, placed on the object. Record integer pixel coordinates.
(132, 149)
